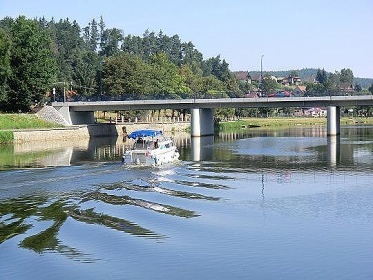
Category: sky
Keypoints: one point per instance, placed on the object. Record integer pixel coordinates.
(247, 34)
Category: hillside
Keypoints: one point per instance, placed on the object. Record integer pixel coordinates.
(308, 74)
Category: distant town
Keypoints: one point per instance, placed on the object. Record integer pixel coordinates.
(304, 82)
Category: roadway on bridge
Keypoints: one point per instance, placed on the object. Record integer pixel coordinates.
(271, 102)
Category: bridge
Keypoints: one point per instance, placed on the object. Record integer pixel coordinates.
(202, 122)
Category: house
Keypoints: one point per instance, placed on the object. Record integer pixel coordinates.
(315, 112)
(288, 81)
(299, 91)
(242, 75)
(282, 80)
(294, 80)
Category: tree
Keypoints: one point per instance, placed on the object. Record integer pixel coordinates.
(91, 35)
(192, 80)
(110, 41)
(358, 87)
(85, 70)
(165, 78)
(125, 74)
(346, 78)
(371, 88)
(224, 113)
(212, 86)
(315, 89)
(321, 76)
(67, 45)
(33, 64)
(189, 54)
(333, 83)
(216, 67)
(269, 85)
(132, 45)
(5, 67)
(101, 26)
(149, 45)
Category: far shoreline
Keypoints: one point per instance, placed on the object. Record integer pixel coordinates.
(68, 133)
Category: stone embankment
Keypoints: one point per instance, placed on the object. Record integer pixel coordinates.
(50, 114)
(76, 132)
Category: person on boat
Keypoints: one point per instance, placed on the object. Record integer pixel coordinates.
(124, 130)
(156, 144)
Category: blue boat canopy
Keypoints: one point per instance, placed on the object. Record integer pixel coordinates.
(144, 133)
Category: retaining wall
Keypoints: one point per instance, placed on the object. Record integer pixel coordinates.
(72, 133)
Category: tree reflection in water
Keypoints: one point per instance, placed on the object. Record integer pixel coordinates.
(21, 215)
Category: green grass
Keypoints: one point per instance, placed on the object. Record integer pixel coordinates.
(8, 122)
(23, 121)
(6, 136)
(284, 122)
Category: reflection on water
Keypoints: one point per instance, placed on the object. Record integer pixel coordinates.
(243, 203)
(333, 150)
(304, 146)
(20, 214)
(202, 148)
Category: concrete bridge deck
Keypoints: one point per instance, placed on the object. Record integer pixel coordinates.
(202, 109)
(272, 102)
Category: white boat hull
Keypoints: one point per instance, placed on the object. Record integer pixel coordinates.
(150, 158)
(150, 148)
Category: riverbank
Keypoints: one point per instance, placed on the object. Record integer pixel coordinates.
(79, 132)
(285, 121)
(17, 128)
(29, 128)
(11, 122)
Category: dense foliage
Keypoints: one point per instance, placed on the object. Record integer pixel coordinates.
(37, 55)
(333, 82)
(28, 64)
(44, 60)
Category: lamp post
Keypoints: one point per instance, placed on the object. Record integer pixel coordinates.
(64, 89)
(101, 78)
(261, 66)
(261, 74)
(54, 94)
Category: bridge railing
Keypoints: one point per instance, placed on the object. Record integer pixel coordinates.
(127, 97)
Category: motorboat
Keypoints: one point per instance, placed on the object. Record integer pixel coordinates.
(150, 148)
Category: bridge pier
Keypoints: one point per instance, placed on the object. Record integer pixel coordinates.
(333, 120)
(202, 122)
(76, 117)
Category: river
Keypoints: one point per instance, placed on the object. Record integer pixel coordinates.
(252, 204)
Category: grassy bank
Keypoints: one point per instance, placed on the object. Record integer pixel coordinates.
(23, 121)
(284, 122)
(8, 122)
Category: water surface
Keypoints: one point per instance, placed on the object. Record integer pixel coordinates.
(251, 204)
